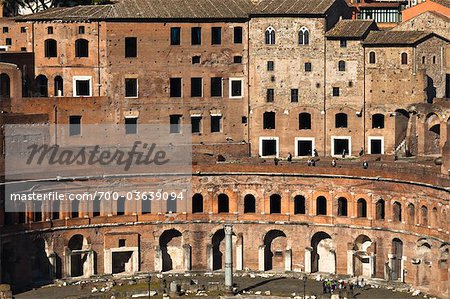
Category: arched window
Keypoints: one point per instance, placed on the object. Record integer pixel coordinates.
(171, 206)
(81, 48)
(362, 208)
(378, 121)
(304, 121)
(341, 65)
(96, 207)
(197, 203)
(58, 86)
(5, 86)
(397, 212)
(411, 214)
(75, 209)
(380, 211)
(249, 204)
(303, 36)
(275, 204)
(342, 206)
(50, 48)
(121, 205)
(341, 120)
(299, 204)
(372, 58)
(270, 36)
(223, 204)
(424, 216)
(321, 205)
(404, 58)
(42, 86)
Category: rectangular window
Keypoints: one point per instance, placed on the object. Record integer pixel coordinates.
(196, 59)
(270, 96)
(8, 41)
(175, 36)
(5, 29)
(236, 88)
(308, 67)
(216, 123)
(196, 36)
(237, 59)
(238, 35)
(294, 95)
(175, 87)
(216, 87)
(196, 87)
(335, 91)
(74, 125)
(130, 47)
(81, 30)
(175, 124)
(270, 66)
(196, 124)
(343, 43)
(131, 125)
(122, 243)
(23, 49)
(216, 35)
(82, 86)
(23, 29)
(131, 87)
(50, 30)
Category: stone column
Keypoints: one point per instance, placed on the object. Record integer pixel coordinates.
(187, 257)
(158, 259)
(209, 257)
(308, 251)
(228, 257)
(350, 270)
(402, 269)
(288, 260)
(261, 266)
(239, 255)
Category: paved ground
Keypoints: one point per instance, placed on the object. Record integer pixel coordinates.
(249, 287)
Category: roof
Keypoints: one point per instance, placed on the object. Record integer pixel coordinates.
(292, 7)
(395, 37)
(86, 12)
(351, 28)
(445, 3)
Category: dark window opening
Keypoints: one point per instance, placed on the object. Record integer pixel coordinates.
(376, 147)
(304, 148)
(8, 41)
(341, 147)
(131, 125)
(270, 66)
(304, 121)
(434, 59)
(342, 207)
(196, 59)
(372, 58)
(175, 36)
(397, 212)
(378, 121)
(423, 59)
(131, 87)
(196, 87)
(50, 30)
(321, 205)
(275, 204)
(308, 67)
(269, 36)
(404, 58)
(75, 208)
(51, 48)
(5, 29)
(23, 29)
(171, 205)
(130, 47)
(58, 86)
(196, 124)
(83, 88)
(424, 216)
(197, 203)
(361, 208)
(216, 123)
(341, 66)
(146, 207)
(81, 30)
(238, 35)
(175, 124)
(341, 120)
(55, 210)
(42, 86)
(216, 35)
(237, 59)
(236, 88)
(122, 242)
(96, 207)
(336, 91)
(223, 204)
(175, 87)
(380, 212)
(244, 119)
(216, 87)
(299, 205)
(249, 204)
(269, 120)
(270, 95)
(303, 37)
(294, 95)
(343, 43)
(74, 125)
(269, 147)
(81, 48)
(196, 36)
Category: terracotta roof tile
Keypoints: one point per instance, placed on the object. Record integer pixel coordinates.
(351, 28)
(294, 7)
(395, 37)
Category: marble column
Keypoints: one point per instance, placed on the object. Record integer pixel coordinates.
(228, 257)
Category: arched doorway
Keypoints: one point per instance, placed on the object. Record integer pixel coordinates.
(78, 256)
(363, 261)
(323, 257)
(42, 86)
(396, 261)
(5, 86)
(218, 250)
(41, 268)
(171, 246)
(432, 135)
(275, 245)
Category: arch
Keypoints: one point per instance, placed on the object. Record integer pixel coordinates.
(363, 254)
(170, 244)
(372, 57)
(323, 258)
(275, 204)
(397, 212)
(270, 36)
(197, 203)
(275, 244)
(341, 65)
(397, 254)
(424, 216)
(411, 214)
(432, 134)
(5, 86)
(404, 58)
(401, 125)
(223, 203)
(81, 48)
(304, 121)
(342, 207)
(378, 121)
(249, 204)
(361, 208)
(40, 263)
(218, 249)
(42, 86)
(78, 259)
(303, 36)
(321, 205)
(299, 205)
(434, 218)
(50, 48)
(341, 120)
(58, 86)
(380, 210)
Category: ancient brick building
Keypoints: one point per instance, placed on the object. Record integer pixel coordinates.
(253, 80)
